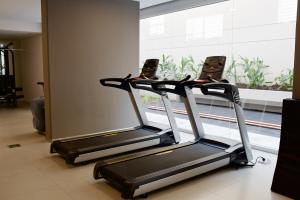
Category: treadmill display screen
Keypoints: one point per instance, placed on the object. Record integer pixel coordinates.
(149, 69)
(213, 68)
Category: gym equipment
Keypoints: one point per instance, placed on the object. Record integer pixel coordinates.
(141, 175)
(100, 145)
(8, 89)
(37, 107)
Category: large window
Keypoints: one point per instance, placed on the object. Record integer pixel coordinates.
(287, 10)
(2, 61)
(194, 28)
(204, 27)
(156, 25)
(258, 39)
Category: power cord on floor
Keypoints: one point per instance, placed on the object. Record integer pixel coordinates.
(252, 164)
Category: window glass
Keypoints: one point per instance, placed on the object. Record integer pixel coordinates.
(213, 26)
(2, 63)
(156, 25)
(194, 28)
(287, 10)
(258, 39)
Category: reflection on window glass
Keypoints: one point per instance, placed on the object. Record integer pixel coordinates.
(287, 10)
(204, 27)
(194, 28)
(157, 26)
(213, 26)
(2, 69)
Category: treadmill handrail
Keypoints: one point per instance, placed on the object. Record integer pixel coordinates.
(123, 82)
(230, 92)
(161, 85)
(143, 85)
(199, 82)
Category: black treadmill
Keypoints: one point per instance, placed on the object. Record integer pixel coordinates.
(116, 142)
(139, 176)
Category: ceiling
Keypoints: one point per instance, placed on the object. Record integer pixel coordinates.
(21, 10)
(21, 18)
(149, 3)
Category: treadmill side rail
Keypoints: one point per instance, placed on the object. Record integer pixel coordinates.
(72, 138)
(178, 177)
(116, 150)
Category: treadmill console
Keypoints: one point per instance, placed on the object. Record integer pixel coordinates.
(213, 68)
(149, 69)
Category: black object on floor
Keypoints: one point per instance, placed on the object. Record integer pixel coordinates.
(286, 179)
(14, 145)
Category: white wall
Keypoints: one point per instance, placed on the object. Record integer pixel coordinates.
(251, 28)
(89, 40)
(32, 66)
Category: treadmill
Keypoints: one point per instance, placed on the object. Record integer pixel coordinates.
(118, 142)
(142, 175)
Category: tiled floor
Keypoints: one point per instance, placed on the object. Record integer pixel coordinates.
(30, 172)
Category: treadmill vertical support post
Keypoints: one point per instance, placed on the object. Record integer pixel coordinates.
(243, 131)
(138, 107)
(193, 114)
(171, 117)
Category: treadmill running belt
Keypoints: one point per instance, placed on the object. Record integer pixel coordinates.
(107, 140)
(154, 166)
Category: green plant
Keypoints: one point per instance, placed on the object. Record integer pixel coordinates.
(285, 80)
(167, 67)
(195, 68)
(186, 67)
(169, 70)
(183, 68)
(254, 71)
(231, 73)
(149, 99)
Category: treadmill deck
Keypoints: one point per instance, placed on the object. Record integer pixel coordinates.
(136, 172)
(106, 140)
